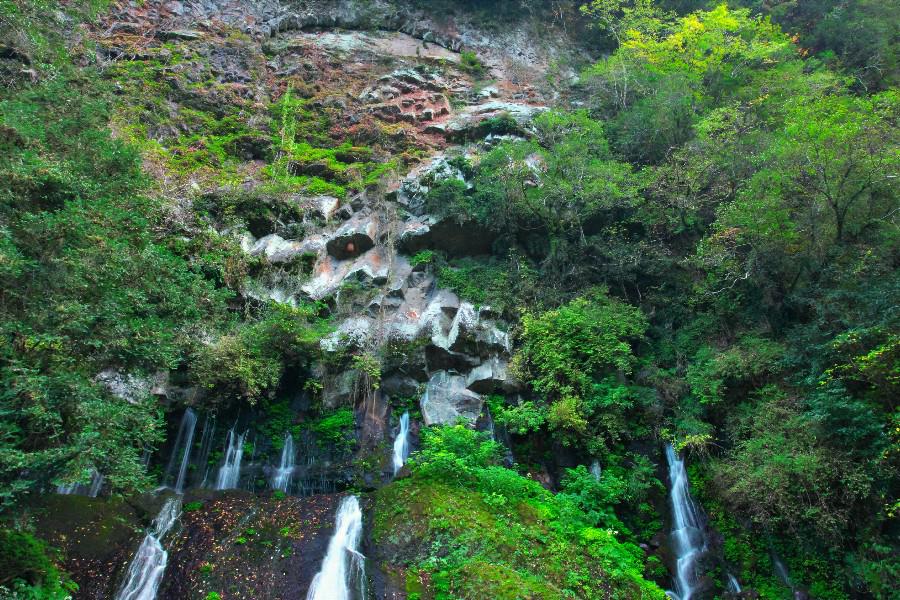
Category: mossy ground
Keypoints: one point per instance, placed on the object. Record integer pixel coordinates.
(245, 546)
(457, 543)
(96, 537)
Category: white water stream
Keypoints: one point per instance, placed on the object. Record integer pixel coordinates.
(688, 537)
(401, 444)
(230, 471)
(282, 478)
(182, 447)
(149, 563)
(342, 576)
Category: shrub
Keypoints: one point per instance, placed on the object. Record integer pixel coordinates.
(470, 63)
(25, 564)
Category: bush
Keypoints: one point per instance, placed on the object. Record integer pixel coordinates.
(470, 63)
(25, 565)
(473, 528)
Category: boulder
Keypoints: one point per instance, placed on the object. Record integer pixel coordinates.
(128, 386)
(439, 359)
(488, 377)
(400, 385)
(471, 122)
(447, 399)
(277, 249)
(323, 207)
(340, 390)
(352, 333)
(353, 238)
(372, 268)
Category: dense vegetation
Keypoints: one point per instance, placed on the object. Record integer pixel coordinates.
(744, 196)
(468, 527)
(700, 248)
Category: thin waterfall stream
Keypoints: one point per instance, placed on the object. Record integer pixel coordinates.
(688, 537)
(343, 575)
(401, 444)
(230, 471)
(146, 570)
(182, 448)
(282, 478)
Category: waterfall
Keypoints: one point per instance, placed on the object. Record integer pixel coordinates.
(596, 470)
(183, 442)
(401, 443)
(687, 531)
(282, 479)
(82, 489)
(146, 570)
(206, 441)
(343, 574)
(230, 471)
(734, 585)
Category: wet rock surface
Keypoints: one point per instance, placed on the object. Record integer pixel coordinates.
(97, 537)
(248, 547)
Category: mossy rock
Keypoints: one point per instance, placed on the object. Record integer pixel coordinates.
(96, 536)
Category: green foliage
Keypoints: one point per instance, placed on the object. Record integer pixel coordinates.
(746, 362)
(475, 528)
(559, 200)
(309, 159)
(425, 257)
(248, 362)
(85, 286)
(192, 506)
(565, 355)
(809, 489)
(470, 63)
(493, 283)
(27, 571)
(335, 430)
(563, 349)
(623, 489)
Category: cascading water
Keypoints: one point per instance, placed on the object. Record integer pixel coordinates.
(734, 585)
(343, 575)
(282, 478)
(146, 570)
(82, 489)
(401, 443)
(689, 539)
(230, 471)
(782, 572)
(182, 449)
(596, 470)
(206, 442)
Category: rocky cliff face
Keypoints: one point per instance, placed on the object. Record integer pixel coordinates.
(389, 81)
(331, 210)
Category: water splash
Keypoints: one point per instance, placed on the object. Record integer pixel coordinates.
(182, 448)
(230, 471)
(689, 539)
(401, 444)
(282, 479)
(343, 575)
(146, 570)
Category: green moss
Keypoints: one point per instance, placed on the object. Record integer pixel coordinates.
(461, 525)
(335, 430)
